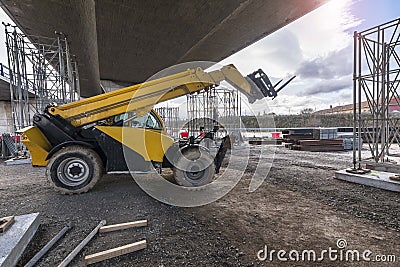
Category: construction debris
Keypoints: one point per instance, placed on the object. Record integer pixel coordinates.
(115, 252)
(84, 242)
(122, 226)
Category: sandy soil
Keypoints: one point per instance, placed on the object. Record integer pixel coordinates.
(299, 206)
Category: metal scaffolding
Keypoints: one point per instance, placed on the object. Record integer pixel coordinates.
(170, 116)
(41, 71)
(376, 79)
(215, 106)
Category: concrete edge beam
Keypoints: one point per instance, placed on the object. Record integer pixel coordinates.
(16, 238)
(376, 179)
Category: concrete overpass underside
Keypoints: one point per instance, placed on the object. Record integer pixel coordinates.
(128, 41)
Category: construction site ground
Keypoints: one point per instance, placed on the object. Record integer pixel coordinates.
(299, 206)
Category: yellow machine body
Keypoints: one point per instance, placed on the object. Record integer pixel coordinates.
(151, 144)
(37, 144)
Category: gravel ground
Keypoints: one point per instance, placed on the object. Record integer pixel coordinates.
(299, 206)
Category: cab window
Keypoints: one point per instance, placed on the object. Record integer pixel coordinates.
(148, 121)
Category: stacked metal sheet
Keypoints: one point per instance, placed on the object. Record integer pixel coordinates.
(323, 145)
(325, 133)
(348, 143)
(348, 140)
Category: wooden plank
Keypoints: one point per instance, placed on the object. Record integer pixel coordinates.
(5, 223)
(321, 142)
(121, 226)
(320, 148)
(115, 252)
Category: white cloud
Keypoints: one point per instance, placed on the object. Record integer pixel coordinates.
(279, 54)
(324, 29)
(317, 48)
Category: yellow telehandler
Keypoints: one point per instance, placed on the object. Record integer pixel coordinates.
(80, 141)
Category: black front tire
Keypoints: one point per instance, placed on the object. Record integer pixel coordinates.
(194, 168)
(74, 169)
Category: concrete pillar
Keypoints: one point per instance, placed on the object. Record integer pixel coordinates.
(85, 16)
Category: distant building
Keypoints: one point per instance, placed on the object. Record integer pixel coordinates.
(393, 107)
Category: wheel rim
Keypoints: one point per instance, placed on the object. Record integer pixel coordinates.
(73, 171)
(196, 172)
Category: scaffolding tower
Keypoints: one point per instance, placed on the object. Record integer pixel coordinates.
(42, 71)
(170, 116)
(216, 106)
(376, 79)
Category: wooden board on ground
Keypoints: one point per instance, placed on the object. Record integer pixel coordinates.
(322, 142)
(121, 226)
(5, 223)
(317, 148)
(115, 252)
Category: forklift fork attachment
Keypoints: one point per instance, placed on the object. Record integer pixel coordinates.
(262, 81)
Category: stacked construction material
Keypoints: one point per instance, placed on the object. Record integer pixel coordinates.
(348, 143)
(291, 136)
(325, 133)
(348, 140)
(313, 139)
(265, 141)
(323, 145)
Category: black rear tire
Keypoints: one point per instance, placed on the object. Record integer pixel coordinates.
(74, 169)
(194, 168)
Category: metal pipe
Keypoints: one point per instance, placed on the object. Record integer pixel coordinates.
(377, 112)
(359, 101)
(84, 242)
(388, 88)
(355, 100)
(384, 100)
(48, 246)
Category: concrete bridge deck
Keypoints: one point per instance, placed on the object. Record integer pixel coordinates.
(128, 41)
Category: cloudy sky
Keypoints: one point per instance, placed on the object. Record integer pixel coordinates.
(318, 49)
